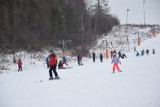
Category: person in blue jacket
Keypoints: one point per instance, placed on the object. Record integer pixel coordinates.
(47, 62)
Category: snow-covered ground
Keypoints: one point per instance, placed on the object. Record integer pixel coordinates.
(91, 85)
(123, 39)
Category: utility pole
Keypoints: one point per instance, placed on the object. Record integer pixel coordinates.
(126, 28)
(64, 42)
(144, 11)
(12, 7)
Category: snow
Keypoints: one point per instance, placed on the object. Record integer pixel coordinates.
(90, 85)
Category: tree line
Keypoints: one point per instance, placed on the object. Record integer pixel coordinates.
(43, 23)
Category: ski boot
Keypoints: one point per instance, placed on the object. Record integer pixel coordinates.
(51, 78)
(57, 77)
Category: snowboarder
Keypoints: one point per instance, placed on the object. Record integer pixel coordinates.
(19, 65)
(115, 61)
(60, 65)
(147, 51)
(79, 59)
(47, 62)
(53, 65)
(153, 51)
(94, 56)
(101, 57)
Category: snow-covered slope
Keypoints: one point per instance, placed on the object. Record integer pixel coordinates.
(91, 85)
(117, 38)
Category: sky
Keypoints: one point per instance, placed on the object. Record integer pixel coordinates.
(136, 13)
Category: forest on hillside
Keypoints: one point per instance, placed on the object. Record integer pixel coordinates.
(44, 23)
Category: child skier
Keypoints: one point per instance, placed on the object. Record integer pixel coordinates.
(64, 59)
(115, 61)
(19, 65)
(53, 65)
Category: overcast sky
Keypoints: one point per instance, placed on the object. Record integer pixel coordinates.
(136, 14)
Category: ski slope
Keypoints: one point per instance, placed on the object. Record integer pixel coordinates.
(91, 85)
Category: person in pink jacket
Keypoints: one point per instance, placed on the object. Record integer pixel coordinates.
(115, 61)
(19, 65)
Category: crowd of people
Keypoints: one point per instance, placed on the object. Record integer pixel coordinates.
(51, 61)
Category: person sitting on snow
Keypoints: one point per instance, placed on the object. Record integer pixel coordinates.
(60, 65)
(137, 54)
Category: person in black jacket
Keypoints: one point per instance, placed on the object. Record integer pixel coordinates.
(94, 56)
(101, 57)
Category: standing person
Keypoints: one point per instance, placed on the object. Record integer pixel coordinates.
(47, 62)
(19, 65)
(64, 59)
(115, 61)
(135, 50)
(79, 59)
(101, 57)
(111, 54)
(53, 65)
(153, 51)
(147, 51)
(94, 56)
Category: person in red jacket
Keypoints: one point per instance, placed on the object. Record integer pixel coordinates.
(19, 65)
(53, 65)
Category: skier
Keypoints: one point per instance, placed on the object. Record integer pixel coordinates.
(64, 59)
(153, 51)
(147, 51)
(19, 65)
(101, 57)
(142, 52)
(53, 65)
(116, 61)
(60, 65)
(47, 62)
(135, 50)
(119, 54)
(94, 56)
(123, 56)
(137, 53)
(79, 59)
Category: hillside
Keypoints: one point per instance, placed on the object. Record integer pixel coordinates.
(91, 85)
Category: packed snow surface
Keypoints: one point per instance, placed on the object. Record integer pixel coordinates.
(90, 85)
